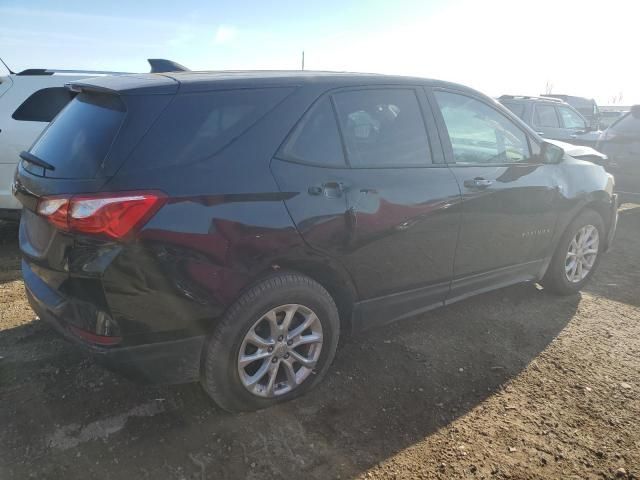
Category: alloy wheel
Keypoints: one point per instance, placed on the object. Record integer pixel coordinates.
(582, 254)
(280, 350)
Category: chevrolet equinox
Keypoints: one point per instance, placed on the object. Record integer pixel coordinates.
(229, 227)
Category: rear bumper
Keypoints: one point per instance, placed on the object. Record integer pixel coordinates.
(169, 362)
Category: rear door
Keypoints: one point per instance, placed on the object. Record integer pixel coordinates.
(370, 188)
(508, 214)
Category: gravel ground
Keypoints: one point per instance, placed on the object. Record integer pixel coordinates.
(512, 384)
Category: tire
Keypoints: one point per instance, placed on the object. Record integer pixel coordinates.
(222, 376)
(556, 278)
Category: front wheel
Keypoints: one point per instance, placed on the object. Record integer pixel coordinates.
(275, 343)
(577, 255)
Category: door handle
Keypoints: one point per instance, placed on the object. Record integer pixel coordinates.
(329, 189)
(574, 135)
(540, 133)
(478, 182)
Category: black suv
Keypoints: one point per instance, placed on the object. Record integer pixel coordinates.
(230, 227)
(621, 142)
(552, 118)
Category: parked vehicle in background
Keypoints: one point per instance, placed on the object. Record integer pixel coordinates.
(229, 227)
(552, 118)
(608, 117)
(29, 100)
(587, 107)
(621, 143)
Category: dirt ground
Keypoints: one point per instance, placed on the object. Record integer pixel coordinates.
(512, 384)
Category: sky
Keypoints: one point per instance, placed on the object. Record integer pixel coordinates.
(586, 48)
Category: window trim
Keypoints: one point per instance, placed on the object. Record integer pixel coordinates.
(446, 140)
(533, 117)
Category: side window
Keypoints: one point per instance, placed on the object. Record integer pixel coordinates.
(480, 134)
(316, 138)
(383, 128)
(571, 119)
(43, 105)
(545, 116)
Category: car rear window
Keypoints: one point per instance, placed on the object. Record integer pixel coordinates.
(79, 139)
(196, 126)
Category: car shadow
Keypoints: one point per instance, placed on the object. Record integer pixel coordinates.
(386, 390)
(64, 416)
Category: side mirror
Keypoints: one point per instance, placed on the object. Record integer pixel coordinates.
(635, 111)
(551, 153)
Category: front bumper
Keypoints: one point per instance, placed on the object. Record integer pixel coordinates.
(169, 362)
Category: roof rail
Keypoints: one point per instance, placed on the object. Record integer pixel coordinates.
(51, 71)
(158, 65)
(529, 97)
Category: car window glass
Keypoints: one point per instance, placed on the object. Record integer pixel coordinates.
(383, 128)
(545, 116)
(196, 126)
(571, 119)
(43, 105)
(517, 108)
(479, 133)
(78, 140)
(316, 139)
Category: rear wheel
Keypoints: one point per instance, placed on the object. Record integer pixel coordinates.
(275, 343)
(577, 255)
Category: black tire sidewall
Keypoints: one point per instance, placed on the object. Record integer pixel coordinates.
(220, 376)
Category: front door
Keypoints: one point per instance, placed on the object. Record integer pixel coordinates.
(508, 214)
(546, 122)
(575, 127)
(369, 187)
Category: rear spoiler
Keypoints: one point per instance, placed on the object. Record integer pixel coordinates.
(144, 83)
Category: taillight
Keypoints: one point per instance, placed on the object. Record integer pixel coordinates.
(114, 215)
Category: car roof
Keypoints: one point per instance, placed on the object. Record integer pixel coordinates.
(173, 82)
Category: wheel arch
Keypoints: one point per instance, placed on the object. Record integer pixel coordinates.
(600, 202)
(330, 275)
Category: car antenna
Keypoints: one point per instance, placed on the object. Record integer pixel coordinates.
(7, 66)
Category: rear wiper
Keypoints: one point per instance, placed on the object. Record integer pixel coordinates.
(31, 158)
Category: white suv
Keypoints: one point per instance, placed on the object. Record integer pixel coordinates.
(28, 102)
